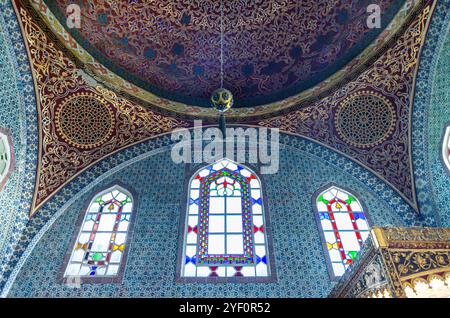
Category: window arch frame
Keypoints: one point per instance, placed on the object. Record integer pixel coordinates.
(445, 149)
(12, 162)
(94, 193)
(323, 240)
(191, 170)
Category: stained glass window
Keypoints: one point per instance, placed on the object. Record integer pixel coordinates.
(446, 148)
(5, 158)
(344, 226)
(225, 230)
(100, 245)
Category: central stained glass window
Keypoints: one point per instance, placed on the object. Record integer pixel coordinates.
(225, 234)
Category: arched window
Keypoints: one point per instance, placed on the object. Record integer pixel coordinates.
(344, 227)
(101, 244)
(6, 157)
(225, 229)
(446, 147)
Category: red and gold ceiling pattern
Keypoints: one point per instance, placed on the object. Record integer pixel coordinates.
(66, 147)
(374, 110)
(377, 137)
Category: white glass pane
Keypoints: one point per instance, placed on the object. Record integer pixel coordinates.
(259, 238)
(194, 194)
(216, 224)
(107, 197)
(127, 208)
(123, 226)
(95, 207)
(329, 195)
(189, 270)
(362, 224)
(260, 250)
(203, 271)
(195, 184)
(356, 207)
(113, 270)
(100, 271)
(256, 209)
(246, 173)
(121, 197)
(234, 223)
(120, 238)
(330, 237)
(204, 173)
(73, 270)
(217, 205)
(343, 221)
(335, 255)
(254, 183)
(191, 250)
(256, 194)
(78, 255)
(84, 270)
(322, 207)
(248, 271)
(107, 222)
(101, 242)
(193, 221)
(338, 269)
(258, 220)
(339, 207)
(116, 256)
(88, 225)
(261, 270)
(193, 209)
(230, 271)
(342, 195)
(326, 224)
(191, 238)
(349, 241)
(234, 205)
(364, 235)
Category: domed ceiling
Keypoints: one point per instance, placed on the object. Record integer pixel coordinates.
(273, 49)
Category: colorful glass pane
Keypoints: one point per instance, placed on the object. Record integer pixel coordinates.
(5, 156)
(446, 148)
(100, 244)
(344, 226)
(225, 228)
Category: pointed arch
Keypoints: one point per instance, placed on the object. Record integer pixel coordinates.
(6, 156)
(102, 242)
(343, 225)
(225, 233)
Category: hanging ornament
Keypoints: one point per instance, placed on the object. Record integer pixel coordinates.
(222, 100)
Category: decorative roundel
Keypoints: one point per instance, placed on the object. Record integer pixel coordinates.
(365, 119)
(85, 120)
